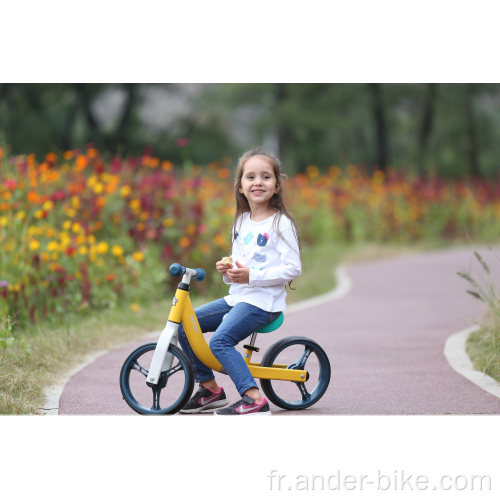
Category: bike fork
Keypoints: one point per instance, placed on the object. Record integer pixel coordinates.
(162, 359)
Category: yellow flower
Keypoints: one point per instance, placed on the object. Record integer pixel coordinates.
(34, 245)
(52, 246)
(135, 307)
(312, 171)
(32, 230)
(54, 256)
(3, 221)
(70, 212)
(135, 204)
(98, 188)
(83, 250)
(75, 202)
(91, 238)
(78, 275)
(125, 191)
(102, 247)
(191, 229)
(48, 205)
(117, 250)
(141, 226)
(168, 222)
(39, 214)
(66, 225)
(144, 215)
(76, 228)
(45, 256)
(139, 256)
(92, 181)
(21, 214)
(80, 239)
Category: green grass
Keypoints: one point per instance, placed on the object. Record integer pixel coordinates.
(483, 348)
(58, 345)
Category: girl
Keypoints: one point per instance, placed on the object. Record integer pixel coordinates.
(266, 253)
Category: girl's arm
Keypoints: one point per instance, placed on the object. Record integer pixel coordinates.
(289, 269)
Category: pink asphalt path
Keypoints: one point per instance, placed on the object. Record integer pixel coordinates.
(385, 343)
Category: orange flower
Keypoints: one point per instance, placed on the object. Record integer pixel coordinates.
(92, 153)
(68, 155)
(81, 163)
(167, 165)
(51, 157)
(184, 242)
(224, 173)
(110, 277)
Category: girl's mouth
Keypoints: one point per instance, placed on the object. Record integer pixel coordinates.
(258, 192)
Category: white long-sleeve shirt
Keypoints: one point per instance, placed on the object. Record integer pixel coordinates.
(271, 261)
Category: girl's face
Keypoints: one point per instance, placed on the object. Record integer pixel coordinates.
(258, 182)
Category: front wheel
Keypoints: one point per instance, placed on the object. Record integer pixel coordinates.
(299, 353)
(156, 400)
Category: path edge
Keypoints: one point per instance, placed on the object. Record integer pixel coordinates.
(456, 354)
(343, 286)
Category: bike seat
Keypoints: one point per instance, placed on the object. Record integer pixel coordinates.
(270, 327)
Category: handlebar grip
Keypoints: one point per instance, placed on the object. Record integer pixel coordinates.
(177, 270)
(200, 274)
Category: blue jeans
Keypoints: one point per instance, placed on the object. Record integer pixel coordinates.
(241, 321)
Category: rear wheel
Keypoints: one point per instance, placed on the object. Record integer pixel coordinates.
(297, 353)
(156, 400)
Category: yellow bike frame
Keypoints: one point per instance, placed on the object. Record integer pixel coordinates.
(182, 311)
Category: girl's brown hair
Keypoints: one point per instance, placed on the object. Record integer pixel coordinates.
(276, 202)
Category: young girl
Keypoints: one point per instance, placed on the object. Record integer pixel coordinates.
(266, 253)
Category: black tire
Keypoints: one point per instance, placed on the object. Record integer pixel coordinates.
(283, 393)
(135, 391)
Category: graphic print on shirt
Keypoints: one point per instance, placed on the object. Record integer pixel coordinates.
(258, 268)
(248, 238)
(262, 239)
(258, 257)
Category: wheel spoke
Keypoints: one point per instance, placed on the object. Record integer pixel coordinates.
(156, 398)
(303, 391)
(171, 371)
(134, 364)
(300, 363)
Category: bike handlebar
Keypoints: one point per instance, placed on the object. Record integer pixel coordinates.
(178, 270)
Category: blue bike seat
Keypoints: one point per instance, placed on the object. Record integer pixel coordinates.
(270, 327)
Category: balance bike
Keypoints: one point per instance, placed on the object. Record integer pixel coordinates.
(284, 377)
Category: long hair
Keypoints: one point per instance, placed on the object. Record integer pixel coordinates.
(276, 202)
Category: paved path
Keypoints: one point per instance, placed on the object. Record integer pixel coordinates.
(385, 343)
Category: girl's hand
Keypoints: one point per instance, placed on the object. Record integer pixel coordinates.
(239, 275)
(222, 268)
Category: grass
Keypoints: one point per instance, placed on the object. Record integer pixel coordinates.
(483, 348)
(483, 345)
(58, 345)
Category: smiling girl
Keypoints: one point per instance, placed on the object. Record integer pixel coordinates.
(266, 253)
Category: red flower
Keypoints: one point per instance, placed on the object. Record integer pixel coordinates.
(183, 141)
(70, 251)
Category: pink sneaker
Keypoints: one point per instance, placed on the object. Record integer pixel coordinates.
(205, 399)
(246, 406)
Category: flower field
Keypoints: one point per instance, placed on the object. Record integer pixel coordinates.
(80, 231)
